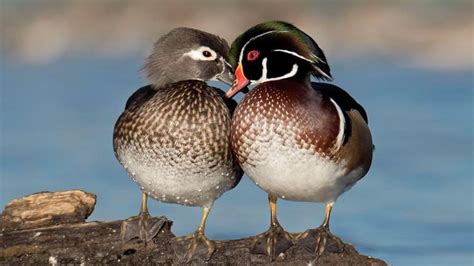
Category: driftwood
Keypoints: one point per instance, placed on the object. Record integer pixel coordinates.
(82, 242)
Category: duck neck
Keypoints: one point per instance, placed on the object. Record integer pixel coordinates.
(302, 77)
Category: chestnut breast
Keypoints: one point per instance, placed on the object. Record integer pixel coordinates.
(304, 118)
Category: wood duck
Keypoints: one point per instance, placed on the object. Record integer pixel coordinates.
(298, 140)
(173, 137)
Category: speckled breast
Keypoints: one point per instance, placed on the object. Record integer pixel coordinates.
(283, 135)
(298, 115)
(176, 146)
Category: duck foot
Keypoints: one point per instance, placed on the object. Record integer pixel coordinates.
(272, 242)
(195, 246)
(142, 226)
(320, 240)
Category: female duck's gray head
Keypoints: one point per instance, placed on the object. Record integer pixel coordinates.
(186, 54)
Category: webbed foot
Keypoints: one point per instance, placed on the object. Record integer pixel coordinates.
(320, 240)
(195, 246)
(142, 226)
(272, 242)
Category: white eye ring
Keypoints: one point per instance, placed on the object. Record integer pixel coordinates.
(198, 54)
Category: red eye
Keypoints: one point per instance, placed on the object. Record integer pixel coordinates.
(252, 55)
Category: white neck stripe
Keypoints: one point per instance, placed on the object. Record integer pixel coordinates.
(252, 39)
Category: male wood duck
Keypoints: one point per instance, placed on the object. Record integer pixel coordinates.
(296, 139)
(173, 137)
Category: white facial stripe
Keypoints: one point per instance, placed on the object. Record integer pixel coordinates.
(254, 38)
(294, 54)
(322, 72)
(197, 54)
(342, 125)
(316, 58)
(264, 77)
(306, 59)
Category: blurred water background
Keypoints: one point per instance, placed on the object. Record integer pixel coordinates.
(67, 68)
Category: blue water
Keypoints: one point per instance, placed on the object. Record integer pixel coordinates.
(415, 207)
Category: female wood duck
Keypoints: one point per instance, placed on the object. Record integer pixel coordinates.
(174, 136)
(296, 139)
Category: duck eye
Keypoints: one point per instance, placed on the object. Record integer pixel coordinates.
(252, 55)
(206, 53)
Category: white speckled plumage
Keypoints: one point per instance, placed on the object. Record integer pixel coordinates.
(167, 183)
(176, 144)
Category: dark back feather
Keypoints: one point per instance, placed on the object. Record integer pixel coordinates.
(140, 96)
(341, 97)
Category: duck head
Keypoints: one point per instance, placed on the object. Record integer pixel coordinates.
(275, 50)
(188, 54)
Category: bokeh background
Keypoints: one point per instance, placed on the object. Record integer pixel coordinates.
(67, 68)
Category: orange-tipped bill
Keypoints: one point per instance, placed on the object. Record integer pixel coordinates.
(239, 84)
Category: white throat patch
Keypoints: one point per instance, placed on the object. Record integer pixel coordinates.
(264, 77)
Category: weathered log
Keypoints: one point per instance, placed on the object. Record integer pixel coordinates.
(47, 208)
(100, 243)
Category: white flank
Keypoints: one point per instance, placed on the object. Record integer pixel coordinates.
(296, 174)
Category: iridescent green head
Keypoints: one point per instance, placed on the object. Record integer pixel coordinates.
(275, 50)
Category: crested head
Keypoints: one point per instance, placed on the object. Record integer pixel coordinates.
(277, 50)
(187, 54)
